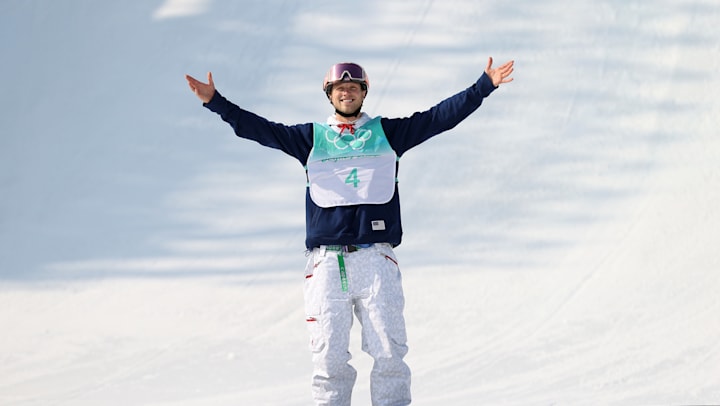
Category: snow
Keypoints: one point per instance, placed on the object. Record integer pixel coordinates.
(560, 245)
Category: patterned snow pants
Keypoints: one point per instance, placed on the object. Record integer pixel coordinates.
(371, 288)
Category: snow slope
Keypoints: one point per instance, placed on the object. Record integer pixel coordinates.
(560, 244)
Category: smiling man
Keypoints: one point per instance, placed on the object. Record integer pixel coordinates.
(346, 94)
(353, 220)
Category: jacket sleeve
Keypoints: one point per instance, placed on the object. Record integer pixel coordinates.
(294, 140)
(405, 133)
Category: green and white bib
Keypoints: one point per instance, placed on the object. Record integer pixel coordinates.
(351, 167)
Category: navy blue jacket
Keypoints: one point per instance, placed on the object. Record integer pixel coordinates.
(348, 225)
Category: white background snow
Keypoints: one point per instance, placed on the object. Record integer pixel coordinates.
(561, 244)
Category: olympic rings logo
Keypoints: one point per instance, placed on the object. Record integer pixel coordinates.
(355, 141)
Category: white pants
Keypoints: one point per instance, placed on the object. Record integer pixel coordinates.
(372, 289)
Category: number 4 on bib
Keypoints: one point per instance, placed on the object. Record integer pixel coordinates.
(341, 172)
(353, 178)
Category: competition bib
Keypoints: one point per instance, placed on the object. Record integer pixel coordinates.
(351, 167)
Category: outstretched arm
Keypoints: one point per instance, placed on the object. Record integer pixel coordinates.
(501, 74)
(204, 91)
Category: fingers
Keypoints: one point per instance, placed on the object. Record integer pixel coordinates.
(196, 83)
(191, 79)
(500, 74)
(506, 70)
(192, 82)
(507, 66)
(204, 91)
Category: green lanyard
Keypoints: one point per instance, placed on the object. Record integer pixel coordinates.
(343, 273)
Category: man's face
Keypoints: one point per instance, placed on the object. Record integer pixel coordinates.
(347, 97)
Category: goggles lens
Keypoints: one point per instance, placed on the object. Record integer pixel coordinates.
(346, 71)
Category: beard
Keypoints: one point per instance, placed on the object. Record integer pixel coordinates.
(348, 115)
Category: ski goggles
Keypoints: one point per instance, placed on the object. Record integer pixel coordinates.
(347, 71)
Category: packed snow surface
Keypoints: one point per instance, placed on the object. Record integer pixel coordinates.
(561, 244)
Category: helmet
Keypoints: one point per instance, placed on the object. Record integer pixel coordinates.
(345, 72)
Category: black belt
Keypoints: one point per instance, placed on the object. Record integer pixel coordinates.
(346, 248)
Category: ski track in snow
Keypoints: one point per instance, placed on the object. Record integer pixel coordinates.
(559, 244)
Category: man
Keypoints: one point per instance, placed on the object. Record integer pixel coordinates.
(353, 220)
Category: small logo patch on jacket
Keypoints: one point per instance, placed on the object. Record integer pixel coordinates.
(378, 225)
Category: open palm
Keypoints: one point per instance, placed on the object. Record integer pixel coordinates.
(204, 91)
(500, 74)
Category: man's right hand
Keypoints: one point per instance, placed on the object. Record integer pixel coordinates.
(204, 91)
